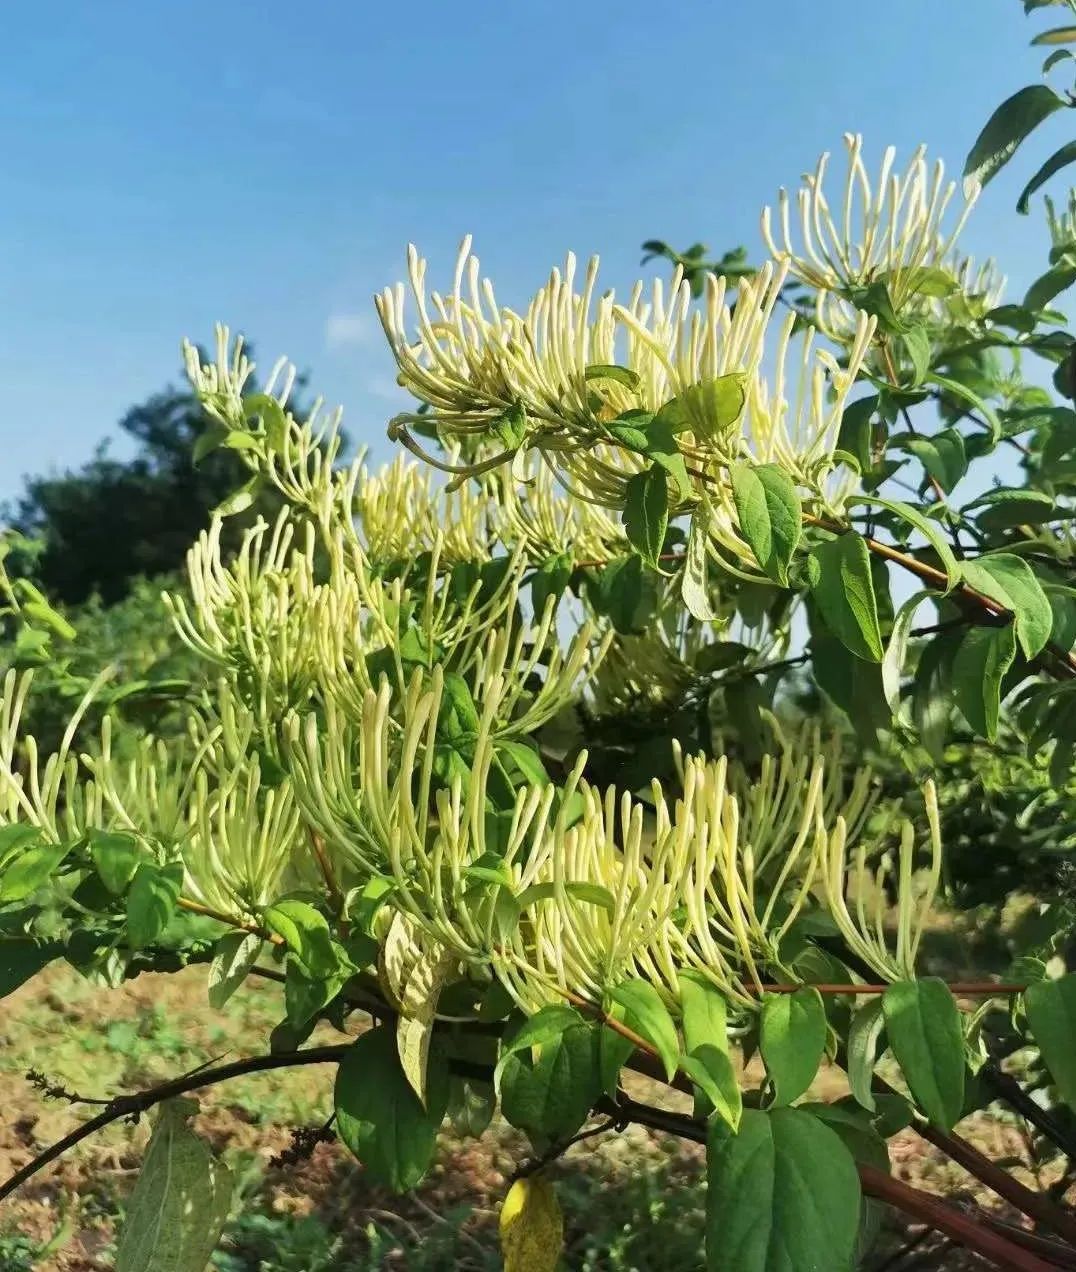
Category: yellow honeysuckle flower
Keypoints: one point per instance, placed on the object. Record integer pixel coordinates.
(887, 230)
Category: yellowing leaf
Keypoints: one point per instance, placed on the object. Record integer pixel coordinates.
(398, 955)
(180, 1202)
(532, 1227)
(414, 1029)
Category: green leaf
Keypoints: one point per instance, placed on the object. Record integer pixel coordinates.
(942, 455)
(305, 931)
(855, 1131)
(745, 700)
(579, 890)
(623, 594)
(770, 515)
(856, 437)
(646, 512)
(854, 686)
(712, 1072)
(116, 856)
(613, 1051)
(1057, 35)
(707, 409)
(694, 581)
(1016, 118)
(607, 371)
(875, 299)
(29, 869)
(1061, 158)
(526, 759)
(703, 1013)
(662, 448)
(546, 1025)
(1046, 287)
(180, 1202)
(782, 1195)
(629, 430)
(235, 954)
(267, 408)
(511, 427)
(929, 529)
(648, 435)
(923, 1025)
(792, 1040)
(1006, 507)
(896, 650)
(917, 345)
(36, 606)
(240, 499)
(982, 658)
(378, 1115)
(958, 389)
(1010, 581)
(471, 1106)
(646, 1013)
(151, 901)
(864, 1035)
(207, 441)
(551, 1095)
(1051, 1013)
(924, 280)
(840, 576)
(550, 579)
(21, 958)
(14, 838)
(305, 995)
(364, 903)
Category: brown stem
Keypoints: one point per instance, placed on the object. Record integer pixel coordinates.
(336, 896)
(968, 1232)
(1056, 1254)
(963, 1229)
(139, 1102)
(939, 578)
(892, 370)
(230, 920)
(968, 989)
(1035, 1205)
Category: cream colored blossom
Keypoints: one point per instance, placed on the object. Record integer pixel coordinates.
(891, 229)
(1062, 225)
(551, 380)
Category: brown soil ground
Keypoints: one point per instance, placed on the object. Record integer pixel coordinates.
(100, 1042)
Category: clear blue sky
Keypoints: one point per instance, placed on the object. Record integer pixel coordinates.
(169, 165)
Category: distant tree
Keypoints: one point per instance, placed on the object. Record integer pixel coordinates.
(113, 521)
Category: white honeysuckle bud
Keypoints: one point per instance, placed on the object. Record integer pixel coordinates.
(850, 872)
(572, 365)
(889, 230)
(1062, 225)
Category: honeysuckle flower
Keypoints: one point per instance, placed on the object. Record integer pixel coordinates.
(890, 231)
(1062, 225)
(852, 874)
(555, 379)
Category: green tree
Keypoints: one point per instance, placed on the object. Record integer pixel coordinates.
(104, 525)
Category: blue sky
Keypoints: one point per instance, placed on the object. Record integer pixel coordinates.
(168, 166)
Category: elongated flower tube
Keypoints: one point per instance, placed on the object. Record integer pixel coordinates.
(854, 879)
(568, 893)
(889, 230)
(402, 513)
(533, 511)
(1062, 225)
(244, 838)
(555, 378)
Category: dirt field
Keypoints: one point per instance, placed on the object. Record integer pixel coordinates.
(632, 1201)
